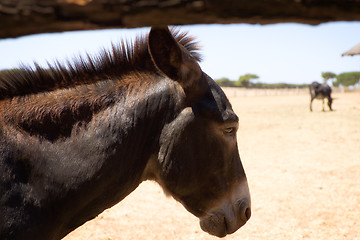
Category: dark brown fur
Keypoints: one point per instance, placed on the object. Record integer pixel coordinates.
(76, 139)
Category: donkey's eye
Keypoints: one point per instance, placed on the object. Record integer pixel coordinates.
(230, 130)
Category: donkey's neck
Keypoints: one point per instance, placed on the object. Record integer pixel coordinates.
(58, 114)
(126, 124)
(54, 115)
(101, 162)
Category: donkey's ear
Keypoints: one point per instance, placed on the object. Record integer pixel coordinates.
(173, 59)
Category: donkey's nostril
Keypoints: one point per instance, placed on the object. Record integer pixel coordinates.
(245, 210)
(247, 213)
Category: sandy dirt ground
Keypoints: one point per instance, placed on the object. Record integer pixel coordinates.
(303, 170)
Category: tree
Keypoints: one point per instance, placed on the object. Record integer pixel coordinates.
(347, 79)
(328, 75)
(245, 80)
(225, 82)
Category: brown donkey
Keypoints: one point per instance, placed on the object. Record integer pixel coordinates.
(77, 138)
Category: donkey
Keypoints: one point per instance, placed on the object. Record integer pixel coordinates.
(77, 138)
(320, 91)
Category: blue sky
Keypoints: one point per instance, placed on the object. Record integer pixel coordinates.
(292, 53)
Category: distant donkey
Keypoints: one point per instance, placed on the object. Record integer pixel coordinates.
(320, 91)
(76, 139)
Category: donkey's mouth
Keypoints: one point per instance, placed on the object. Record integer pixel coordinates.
(220, 224)
(214, 224)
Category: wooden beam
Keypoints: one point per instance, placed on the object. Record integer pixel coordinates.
(22, 17)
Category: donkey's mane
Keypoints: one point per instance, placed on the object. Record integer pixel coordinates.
(121, 59)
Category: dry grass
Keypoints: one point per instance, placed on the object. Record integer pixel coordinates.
(303, 170)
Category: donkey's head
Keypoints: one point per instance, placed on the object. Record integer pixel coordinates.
(198, 162)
